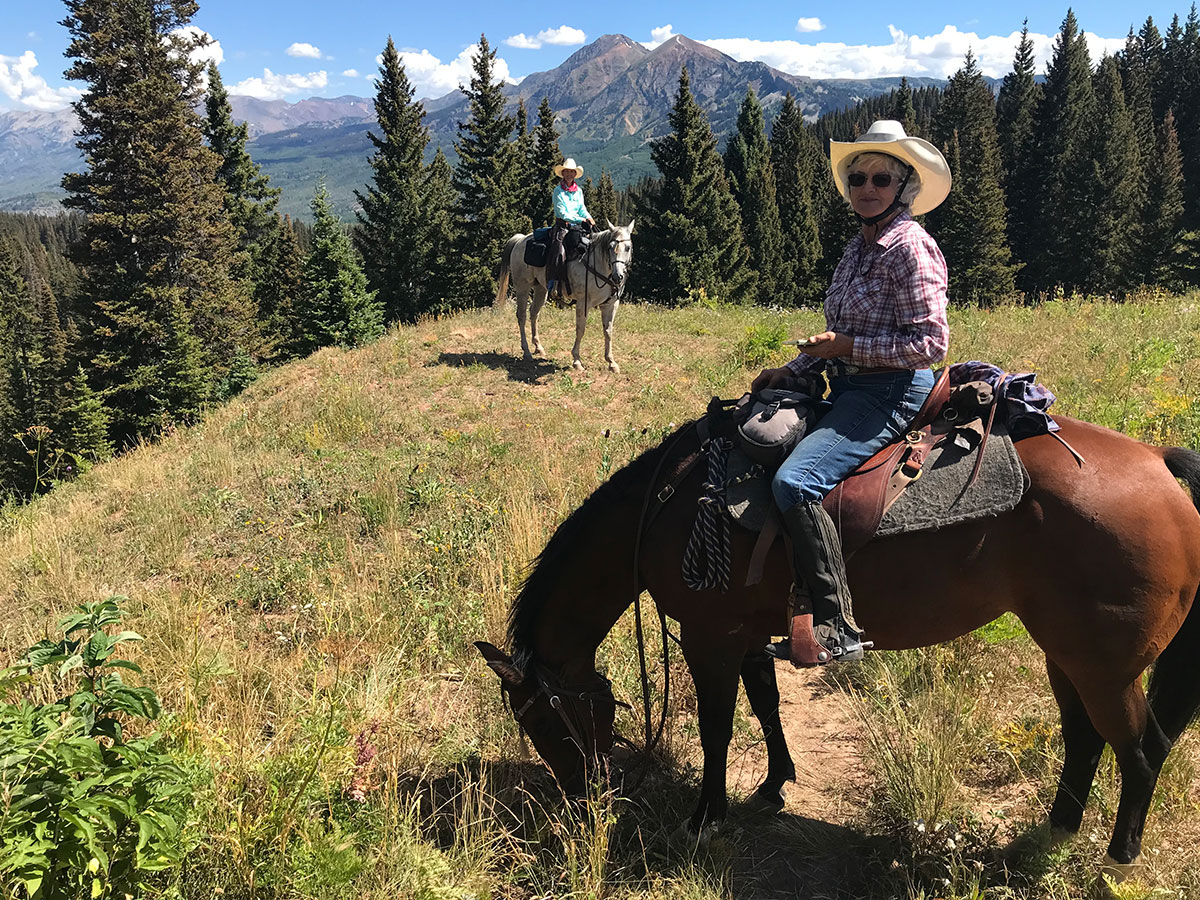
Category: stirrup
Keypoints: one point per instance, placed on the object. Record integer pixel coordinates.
(850, 649)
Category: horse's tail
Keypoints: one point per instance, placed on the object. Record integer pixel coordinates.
(1174, 691)
(505, 266)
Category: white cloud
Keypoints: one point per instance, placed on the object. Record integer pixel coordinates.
(306, 51)
(433, 78)
(562, 36)
(934, 56)
(350, 73)
(21, 85)
(210, 52)
(807, 24)
(659, 35)
(276, 87)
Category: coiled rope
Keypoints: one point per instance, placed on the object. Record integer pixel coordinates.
(707, 561)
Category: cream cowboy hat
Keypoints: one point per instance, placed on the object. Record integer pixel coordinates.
(568, 163)
(887, 136)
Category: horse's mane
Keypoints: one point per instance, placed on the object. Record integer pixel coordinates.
(535, 589)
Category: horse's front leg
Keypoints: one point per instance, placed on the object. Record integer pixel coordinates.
(715, 661)
(758, 677)
(581, 314)
(608, 312)
(539, 300)
(522, 305)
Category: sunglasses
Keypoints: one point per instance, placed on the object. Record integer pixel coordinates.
(879, 179)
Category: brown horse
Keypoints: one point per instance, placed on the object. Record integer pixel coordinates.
(1100, 561)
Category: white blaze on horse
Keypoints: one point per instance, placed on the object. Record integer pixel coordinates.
(597, 280)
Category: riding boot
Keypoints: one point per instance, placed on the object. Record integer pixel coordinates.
(819, 567)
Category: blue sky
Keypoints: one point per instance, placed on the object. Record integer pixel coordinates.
(291, 49)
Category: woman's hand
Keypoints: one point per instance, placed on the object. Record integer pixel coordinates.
(769, 378)
(829, 345)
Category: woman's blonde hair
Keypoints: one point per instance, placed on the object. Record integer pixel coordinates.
(898, 169)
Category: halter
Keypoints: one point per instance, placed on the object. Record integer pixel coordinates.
(555, 693)
(612, 267)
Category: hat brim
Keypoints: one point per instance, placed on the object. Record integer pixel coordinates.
(916, 152)
(558, 170)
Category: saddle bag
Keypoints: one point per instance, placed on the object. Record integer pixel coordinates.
(771, 422)
(537, 247)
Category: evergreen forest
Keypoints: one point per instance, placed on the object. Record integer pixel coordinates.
(172, 281)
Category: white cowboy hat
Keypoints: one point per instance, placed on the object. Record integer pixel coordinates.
(887, 136)
(568, 163)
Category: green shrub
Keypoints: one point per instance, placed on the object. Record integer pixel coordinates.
(83, 811)
(760, 345)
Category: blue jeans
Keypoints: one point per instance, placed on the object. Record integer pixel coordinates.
(867, 413)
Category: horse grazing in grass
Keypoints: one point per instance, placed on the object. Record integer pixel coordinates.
(1100, 561)
(597, 280)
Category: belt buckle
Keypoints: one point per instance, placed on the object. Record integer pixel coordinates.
(844, 368)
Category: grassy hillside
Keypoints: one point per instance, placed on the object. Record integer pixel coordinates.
(310, 565)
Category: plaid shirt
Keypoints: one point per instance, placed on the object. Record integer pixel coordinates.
(891, 296)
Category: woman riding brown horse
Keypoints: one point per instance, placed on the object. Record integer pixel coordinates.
(1101, 563)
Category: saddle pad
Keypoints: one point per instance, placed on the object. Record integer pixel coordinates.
(542, 235)
(931, 502)
(535, 253)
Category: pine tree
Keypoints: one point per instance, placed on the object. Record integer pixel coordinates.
(394, 237)
(902, 109)
(1016, 108)
(487, 179)
(335, 306)
(157, 248)
(795, 158)
(1115, 181)
(752, 183)
(14, 412)
(84, 424)
(970, 225)
(1150, 45)
(283, 268)
(443, 234)
(1135, 80)
(1156, 247)
(693, 231)
(544, 156)
(1063, 131)
(603, 206)
(249, 198)
(1187, 112)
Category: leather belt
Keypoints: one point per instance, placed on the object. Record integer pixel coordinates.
(837, 368)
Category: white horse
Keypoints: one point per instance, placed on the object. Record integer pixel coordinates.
(597, 280)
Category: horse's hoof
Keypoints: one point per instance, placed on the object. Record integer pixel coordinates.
(614, 368)
(686, 837)
(1060, 836)
(767, 798)
(1116, 872)
(577, 366)
(528, 357)
(539, 350)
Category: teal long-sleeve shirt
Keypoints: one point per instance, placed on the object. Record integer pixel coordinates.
(569, 205)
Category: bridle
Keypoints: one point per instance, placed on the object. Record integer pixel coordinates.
(599, 690)
(615, 283)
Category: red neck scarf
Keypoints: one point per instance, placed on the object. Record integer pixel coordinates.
(569, 188)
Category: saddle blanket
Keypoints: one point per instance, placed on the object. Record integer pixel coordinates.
(935, 500)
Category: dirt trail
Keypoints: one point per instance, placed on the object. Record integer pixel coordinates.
(823, 736)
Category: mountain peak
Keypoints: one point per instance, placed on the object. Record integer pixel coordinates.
(683, 47)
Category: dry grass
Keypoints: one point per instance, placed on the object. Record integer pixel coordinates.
(324, 548)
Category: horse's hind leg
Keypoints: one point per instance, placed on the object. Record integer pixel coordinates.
(581, 314)
(714, 664)
(1082, 746)
(758, 677)
(1122, 717)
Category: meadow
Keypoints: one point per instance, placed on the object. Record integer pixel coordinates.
(309, 565)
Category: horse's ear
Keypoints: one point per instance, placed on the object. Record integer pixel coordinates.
(611, 226)
(501, 663)
(631, 222)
